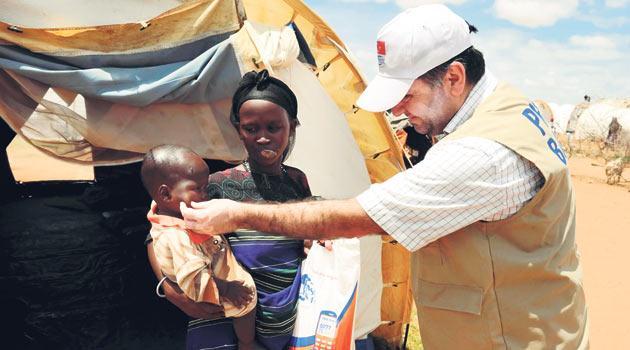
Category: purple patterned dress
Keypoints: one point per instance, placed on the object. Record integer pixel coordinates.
(273, 261)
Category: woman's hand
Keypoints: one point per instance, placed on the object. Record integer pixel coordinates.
(328, 244)
(308, 244)
(191, 308)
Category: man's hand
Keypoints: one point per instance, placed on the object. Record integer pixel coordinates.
(195, 310)
(212, 217)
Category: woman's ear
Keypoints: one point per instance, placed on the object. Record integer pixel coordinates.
(293, 123)
(237, 126)
(238, 131)
(164, 193)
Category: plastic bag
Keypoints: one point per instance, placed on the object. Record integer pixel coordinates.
(327, 299)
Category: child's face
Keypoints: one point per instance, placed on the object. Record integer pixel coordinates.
(265, 129)
(191, 186)
(191, 189)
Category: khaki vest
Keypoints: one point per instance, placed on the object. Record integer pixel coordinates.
(514, 283)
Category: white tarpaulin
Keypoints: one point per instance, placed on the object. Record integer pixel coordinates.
(592, 120)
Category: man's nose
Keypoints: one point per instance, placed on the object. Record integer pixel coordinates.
(398, 109)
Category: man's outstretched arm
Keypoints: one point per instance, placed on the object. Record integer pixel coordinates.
(308, 220)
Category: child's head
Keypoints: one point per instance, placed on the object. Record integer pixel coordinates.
(173, 174)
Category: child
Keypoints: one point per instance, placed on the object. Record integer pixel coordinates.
(203, 266)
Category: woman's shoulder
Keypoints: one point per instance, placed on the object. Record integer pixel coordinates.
(234, 183)
(295, 173)
(298, 176)
(293, 170)
(235, 174)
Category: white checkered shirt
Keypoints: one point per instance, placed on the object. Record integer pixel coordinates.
(458, 183)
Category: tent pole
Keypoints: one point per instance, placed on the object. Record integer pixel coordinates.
(406, 334)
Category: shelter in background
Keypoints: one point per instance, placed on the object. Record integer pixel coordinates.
(102, 82)
(591, 120)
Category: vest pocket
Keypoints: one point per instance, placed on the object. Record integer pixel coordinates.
(450, 297)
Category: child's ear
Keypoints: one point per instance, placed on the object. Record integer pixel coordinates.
(164, 193)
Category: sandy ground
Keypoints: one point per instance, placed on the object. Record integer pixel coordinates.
(603, 228)
(603, 235)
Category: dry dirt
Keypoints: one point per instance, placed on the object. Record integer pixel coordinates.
(603, 235)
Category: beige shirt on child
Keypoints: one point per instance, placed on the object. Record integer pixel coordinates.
(193, 266)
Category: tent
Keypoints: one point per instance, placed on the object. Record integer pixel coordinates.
(102, 82)
(591, 120)
(561, 114)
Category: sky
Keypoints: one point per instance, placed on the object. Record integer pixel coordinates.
(555, 50)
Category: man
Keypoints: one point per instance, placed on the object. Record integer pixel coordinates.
(489, 212)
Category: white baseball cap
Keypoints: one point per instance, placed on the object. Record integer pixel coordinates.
(411, 44)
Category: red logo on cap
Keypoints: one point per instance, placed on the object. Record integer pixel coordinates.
(380, 47)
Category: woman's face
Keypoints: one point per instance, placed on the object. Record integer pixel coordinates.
(265, 129)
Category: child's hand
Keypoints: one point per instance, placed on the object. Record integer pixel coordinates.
(237, 293)
(176, 296)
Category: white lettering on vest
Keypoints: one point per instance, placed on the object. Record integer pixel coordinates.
(533, 115)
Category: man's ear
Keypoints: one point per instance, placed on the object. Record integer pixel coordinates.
(164, 193)
(455, 78)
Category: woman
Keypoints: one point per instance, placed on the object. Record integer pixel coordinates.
(264, 111)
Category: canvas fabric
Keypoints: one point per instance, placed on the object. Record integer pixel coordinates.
(164, 73)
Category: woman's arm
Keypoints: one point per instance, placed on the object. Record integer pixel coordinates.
(177, 297)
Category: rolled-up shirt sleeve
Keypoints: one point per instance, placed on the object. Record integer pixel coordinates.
(458, 183)
(192, 269)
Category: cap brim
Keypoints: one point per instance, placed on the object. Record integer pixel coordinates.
(383, 93)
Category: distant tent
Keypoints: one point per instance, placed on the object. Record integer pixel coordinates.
(103, 82)
(591, 120)
(561, 115)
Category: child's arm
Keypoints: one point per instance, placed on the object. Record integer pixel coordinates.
(192, 269)
(176, 296)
